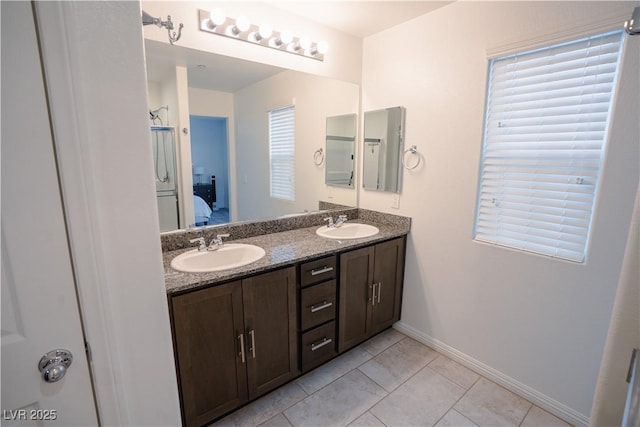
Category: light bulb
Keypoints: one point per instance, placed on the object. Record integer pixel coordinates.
(305, 43)
(286, 37)
(242, 24)
(265, 31)
(217, 17)
(322, 47)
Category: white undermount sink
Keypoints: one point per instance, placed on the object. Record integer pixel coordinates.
(230, 255)
(349, 230)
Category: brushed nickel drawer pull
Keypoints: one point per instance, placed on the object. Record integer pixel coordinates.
(241, 338)
(324, 269)
(252, 349)
(373, 300)
(321, 344)
(321, 306)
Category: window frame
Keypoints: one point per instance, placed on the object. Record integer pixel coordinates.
(498, 240)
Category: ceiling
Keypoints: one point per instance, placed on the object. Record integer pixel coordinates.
(205, 70)
(359, 18)
(215, 72)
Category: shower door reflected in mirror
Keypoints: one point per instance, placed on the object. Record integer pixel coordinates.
(382, 149)
(164, 160)
(340, 150)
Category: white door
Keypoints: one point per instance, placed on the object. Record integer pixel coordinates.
(39, 305)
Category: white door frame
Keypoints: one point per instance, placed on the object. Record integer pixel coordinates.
(94, 64)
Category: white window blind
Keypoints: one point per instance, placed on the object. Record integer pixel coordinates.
(282, 152)
(546, 123)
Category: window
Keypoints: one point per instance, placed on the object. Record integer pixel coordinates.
(545, 131)
(282, 154)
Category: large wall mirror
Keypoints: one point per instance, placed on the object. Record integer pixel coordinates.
(340, 151)
(223, 158)
(382, 149)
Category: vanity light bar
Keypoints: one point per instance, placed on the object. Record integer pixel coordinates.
(240, 29)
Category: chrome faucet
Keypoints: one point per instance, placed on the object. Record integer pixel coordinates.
(201, 243)
(341, 220)
(217, 242)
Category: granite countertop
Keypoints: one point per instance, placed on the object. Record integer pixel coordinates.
(281, 249)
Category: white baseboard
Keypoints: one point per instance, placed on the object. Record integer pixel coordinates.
(539, 399)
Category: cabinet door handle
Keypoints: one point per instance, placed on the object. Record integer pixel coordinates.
(379, 291)
(373, 300)
(321, 306)
(324, 269)
(241, 339)
(252, 349)
(325, 341)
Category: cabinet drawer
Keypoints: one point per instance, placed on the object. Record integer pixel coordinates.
(318, 271)
(318, 345)
(317, 304)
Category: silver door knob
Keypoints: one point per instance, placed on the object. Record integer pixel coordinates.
(54, 364)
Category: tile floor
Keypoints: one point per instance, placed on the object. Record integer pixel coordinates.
(391, 380)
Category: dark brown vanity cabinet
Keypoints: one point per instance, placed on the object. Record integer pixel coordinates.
(234, 342)
(370, 291)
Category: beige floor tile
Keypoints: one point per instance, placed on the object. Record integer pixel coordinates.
(337, 404)
(421, 401)
(454, 418)
(367, 420)
(329, 372)
(457, 373)
(398, 363)
(278, 421)
(382, 341)
(265, 408)
(540, 418)
(487, 403)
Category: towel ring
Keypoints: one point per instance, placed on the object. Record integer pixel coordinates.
(318, 157)
(411, 150)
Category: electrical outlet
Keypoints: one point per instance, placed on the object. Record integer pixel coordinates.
(329, 192)
(395, 201)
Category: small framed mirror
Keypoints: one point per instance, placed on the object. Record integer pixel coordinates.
(340, 146)
(382, 149)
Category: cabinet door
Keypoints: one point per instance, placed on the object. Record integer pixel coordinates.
(356, 279)
(270, 316)
(208, 333)
(387, 277)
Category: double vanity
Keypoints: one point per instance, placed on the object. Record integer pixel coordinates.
(281, 298)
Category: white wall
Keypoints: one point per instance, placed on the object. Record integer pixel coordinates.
(343, 60)
(536, 322)
(315, 99)
(154, 93)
